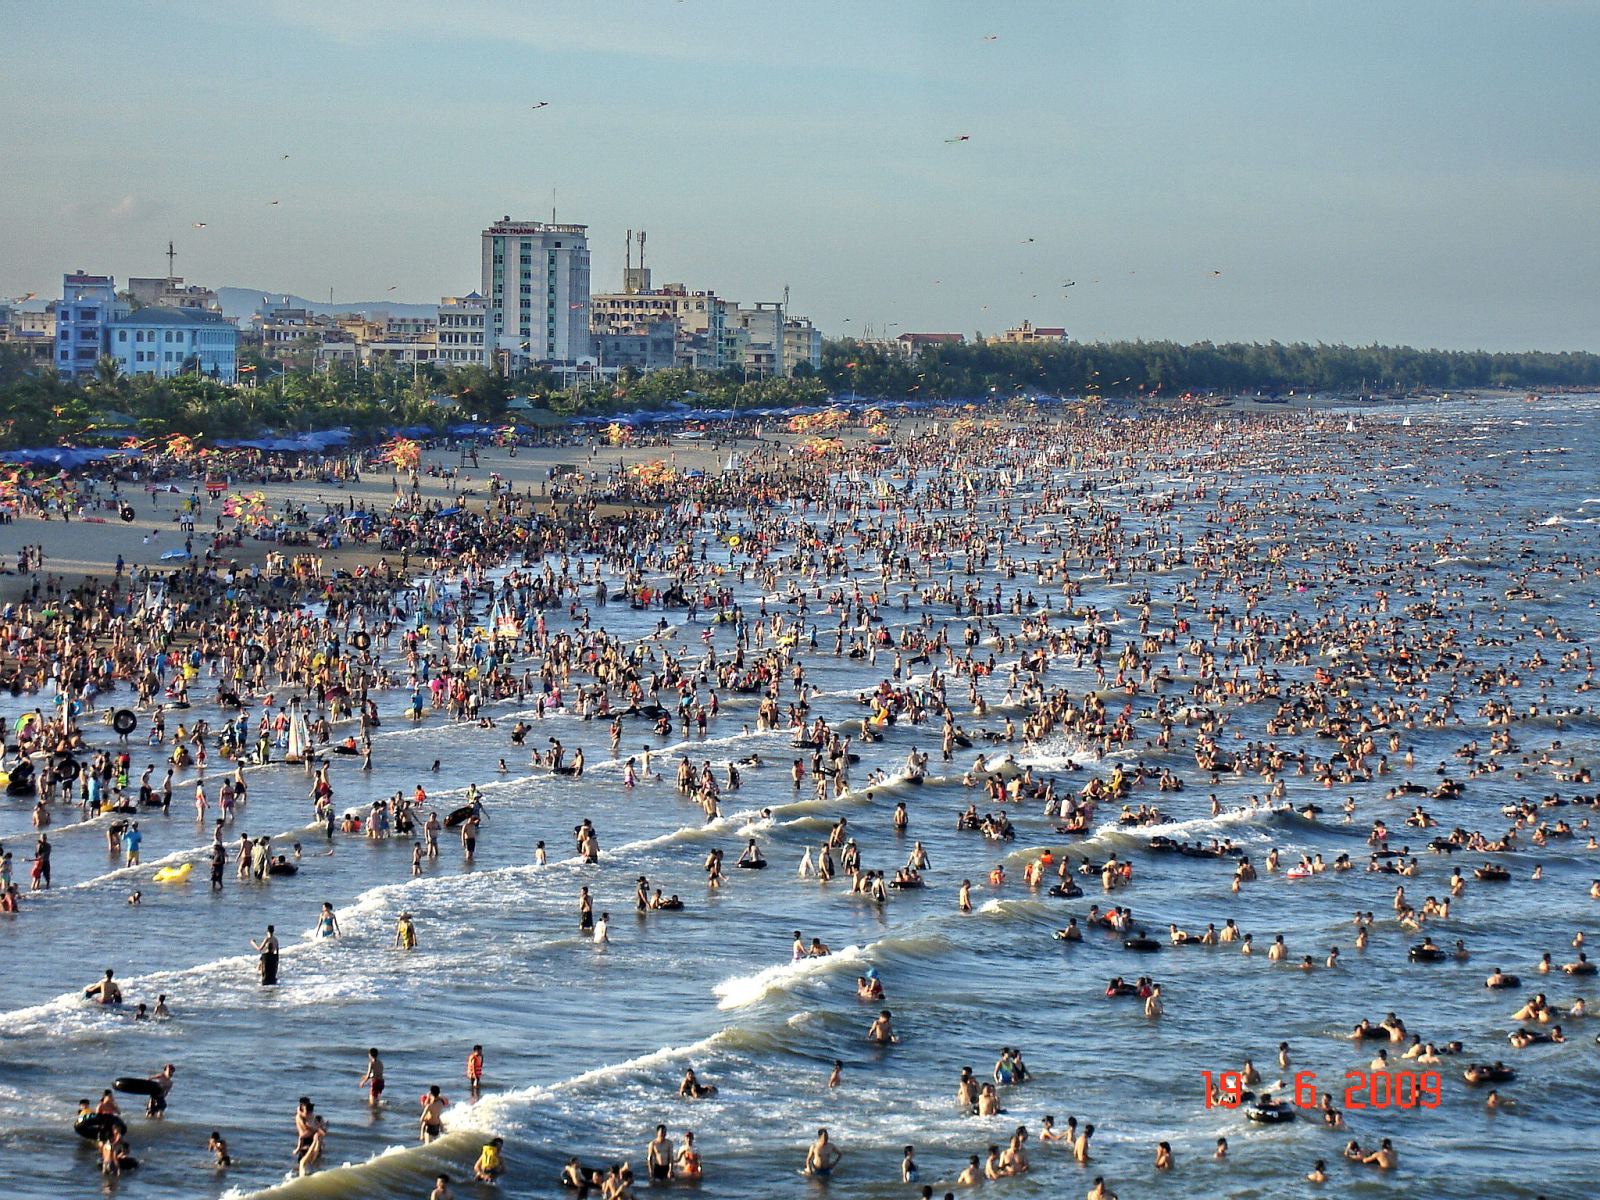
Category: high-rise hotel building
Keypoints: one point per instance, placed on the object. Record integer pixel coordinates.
(536, 292)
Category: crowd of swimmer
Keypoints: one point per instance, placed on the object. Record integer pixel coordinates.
(842, 547)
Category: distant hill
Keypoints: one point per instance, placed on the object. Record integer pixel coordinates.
(241, 302)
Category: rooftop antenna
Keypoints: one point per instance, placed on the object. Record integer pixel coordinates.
(171, 254)
(641, 249)
(552, 206)
(628, 261)
(786, 297)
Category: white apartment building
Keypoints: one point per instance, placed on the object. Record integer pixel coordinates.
(536, 292)
(164, 342)
(461, 331)
(754, 337)
(802, 343)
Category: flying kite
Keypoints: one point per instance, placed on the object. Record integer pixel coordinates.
(1027, 241)
(271, 203)
(1216, 274)
(991, 37)
(285, 158)
(962, 137)
(199, 224)
(1070, 283)
(541, 104)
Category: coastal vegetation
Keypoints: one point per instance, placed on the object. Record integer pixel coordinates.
(37, 408)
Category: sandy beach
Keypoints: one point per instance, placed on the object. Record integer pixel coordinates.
(80, 549)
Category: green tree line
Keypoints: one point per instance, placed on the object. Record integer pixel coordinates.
(38, 408)
(967, 372)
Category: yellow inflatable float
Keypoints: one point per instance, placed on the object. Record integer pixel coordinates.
(175, 874)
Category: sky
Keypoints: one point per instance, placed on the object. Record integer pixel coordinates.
(1413, 172)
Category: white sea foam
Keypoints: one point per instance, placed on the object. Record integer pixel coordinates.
(741, 991)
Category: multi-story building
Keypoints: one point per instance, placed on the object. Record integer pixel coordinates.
(461, 331)
(1028, 332)
(642, 349)
(701, 341)
(337, 348)
(164, 342)
(625, 312)
(755, 337)
(359, 327)
(913, 344)
(169, 292)
(398, 350)
(536, 289)
(31, 331)
(284, 330)
(802, 343)
(409, 329)
(88, 306)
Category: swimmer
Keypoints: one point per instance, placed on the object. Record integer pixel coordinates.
(881, 1031)
(822, 1157)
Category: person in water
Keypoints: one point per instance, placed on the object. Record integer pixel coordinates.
(104, 991)
(267, 964)
(822, 1157)
(373, 1079)
(490, 1165)
(431, 1119)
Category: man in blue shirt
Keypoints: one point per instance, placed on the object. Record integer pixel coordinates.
(130, 844)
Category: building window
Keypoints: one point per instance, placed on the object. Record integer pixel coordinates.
(122, 335)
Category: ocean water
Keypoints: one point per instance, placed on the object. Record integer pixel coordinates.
(585, 1045)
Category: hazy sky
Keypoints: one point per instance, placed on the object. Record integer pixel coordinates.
(1399, 171)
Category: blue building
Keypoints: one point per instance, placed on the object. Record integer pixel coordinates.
(174, 341)
(88, 305)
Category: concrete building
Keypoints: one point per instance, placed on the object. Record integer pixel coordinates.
(170, 293)
(31, 331)
(913, 344)
(359, 327)
(1028, 332)
(165, 342)
(88, 305)
(624, 312)
(802, 343)
(410, 329)
(461, 331)
(536, 289)
(283, 330)
(755, 337)
(338, 348)
(700, 343)
(649, 348)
